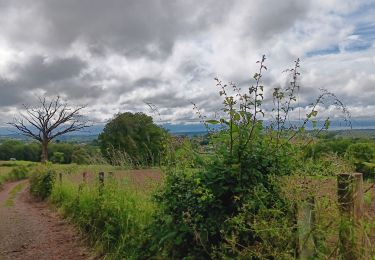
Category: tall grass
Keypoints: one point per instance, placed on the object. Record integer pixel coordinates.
(14, 172)
(113, 217)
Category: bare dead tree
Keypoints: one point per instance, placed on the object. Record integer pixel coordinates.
(51, 118)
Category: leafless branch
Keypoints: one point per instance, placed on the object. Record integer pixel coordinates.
(50, 119)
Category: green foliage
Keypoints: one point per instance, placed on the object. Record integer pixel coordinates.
(328, 165)
(65, 152)
(134, 134)
(84, 155)
(196, 206)
(42, 180)
(12, 194)
(20, 151)
(14, 171)
(19, 173)
(360, 152)
(323, 147)
(368, 169)
(210, 212)
(187, 157)
(57, 157)
(361, 155)
(260, 230)
(114, 219)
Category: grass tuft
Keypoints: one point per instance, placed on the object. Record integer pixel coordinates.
(12, 194)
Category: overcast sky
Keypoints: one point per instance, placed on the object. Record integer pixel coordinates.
(114, 55)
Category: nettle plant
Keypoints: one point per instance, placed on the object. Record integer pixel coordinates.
(243, 112)
(215, 211)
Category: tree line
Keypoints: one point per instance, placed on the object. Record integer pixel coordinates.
(60, 152)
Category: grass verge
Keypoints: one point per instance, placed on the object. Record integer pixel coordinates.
(113, 216)
(12, 194)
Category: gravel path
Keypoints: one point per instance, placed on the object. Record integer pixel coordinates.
(30, 230)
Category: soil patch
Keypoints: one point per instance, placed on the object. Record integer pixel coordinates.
(31, 230)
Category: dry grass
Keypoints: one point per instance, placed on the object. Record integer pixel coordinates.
(327, 215)
(141, 179)
(4, 170)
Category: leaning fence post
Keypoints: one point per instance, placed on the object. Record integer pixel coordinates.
(84, 177)
(101, 181)
(84, 180)
(60, 183)
(296, 244)
(350, 201)
(306, 222)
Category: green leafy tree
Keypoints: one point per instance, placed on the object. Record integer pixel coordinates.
(63, 147)
(57, 157)
(360, 152)
(20, 151)
(31, 152)
(136, 135)
(82, 155)
(324, 146)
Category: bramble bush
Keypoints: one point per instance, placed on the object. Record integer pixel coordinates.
(19, 173)
(233, 205)
(42, 179)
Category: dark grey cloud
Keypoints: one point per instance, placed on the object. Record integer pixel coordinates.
(39, 71)
(11, 93)
(51, 75)
(131, 27)
(266, 19)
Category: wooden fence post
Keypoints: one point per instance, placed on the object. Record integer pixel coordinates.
(350, 201)
(296, 241)
(81, 185)
(60, 178)
(305, 223)
(101, 181)
(84, 177)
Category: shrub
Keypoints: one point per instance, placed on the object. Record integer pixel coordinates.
(42, 180)
(19, 173)
(187, 157)
(221, 211)
(196, 206)
(368, 169)
(360, 152)
(57, 157)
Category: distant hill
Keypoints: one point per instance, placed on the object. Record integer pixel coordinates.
(360, 127)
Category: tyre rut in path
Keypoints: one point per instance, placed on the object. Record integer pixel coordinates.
(30, 230)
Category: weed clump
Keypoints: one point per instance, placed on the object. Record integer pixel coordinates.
(113, 216)
(42, 179)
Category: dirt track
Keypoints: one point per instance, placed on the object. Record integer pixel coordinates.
(30, 230)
